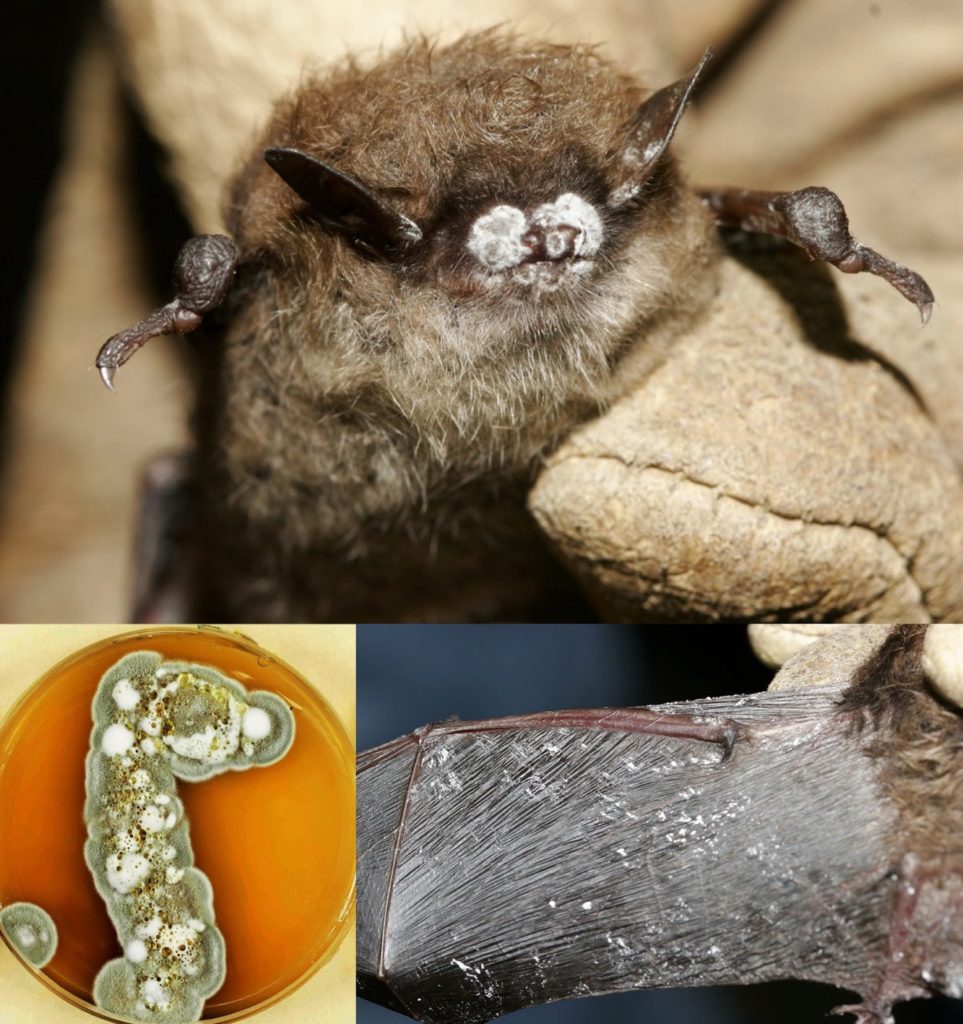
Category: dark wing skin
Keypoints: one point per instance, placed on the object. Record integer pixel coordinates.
(523, 860)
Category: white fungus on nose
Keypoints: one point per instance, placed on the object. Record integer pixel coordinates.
(496, 238)
(569, 225)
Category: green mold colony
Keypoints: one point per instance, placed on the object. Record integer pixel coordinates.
(31, 932)
(154, 722)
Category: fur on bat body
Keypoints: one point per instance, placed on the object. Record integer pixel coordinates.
(445, 262)
(810, 833)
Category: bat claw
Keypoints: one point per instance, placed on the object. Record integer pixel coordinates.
(862, 1013)
(107, 376)
(926, 311)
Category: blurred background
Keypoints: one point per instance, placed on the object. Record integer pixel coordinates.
(410, 676)
(121, 139)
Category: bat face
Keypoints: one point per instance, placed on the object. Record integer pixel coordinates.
(494, 195)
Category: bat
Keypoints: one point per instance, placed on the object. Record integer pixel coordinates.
(440, 265)
(810, 833)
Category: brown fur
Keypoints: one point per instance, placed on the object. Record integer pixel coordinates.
(917, 740)
(917, 736)
(378, 423)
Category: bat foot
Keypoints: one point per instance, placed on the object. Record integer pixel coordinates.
(864, 1014)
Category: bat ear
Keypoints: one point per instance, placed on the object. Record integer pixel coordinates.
(341, 203)
(652, 129)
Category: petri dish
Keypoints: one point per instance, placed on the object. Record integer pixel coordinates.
(277, 843)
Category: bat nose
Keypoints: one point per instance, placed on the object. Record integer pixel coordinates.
(551, 242)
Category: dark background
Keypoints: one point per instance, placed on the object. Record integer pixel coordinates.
(37, 49)
(411, 675)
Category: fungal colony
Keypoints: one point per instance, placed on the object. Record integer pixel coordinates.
(156, 721)
(31, 932)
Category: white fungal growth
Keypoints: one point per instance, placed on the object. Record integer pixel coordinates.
(31, 932)
(155, 722)
(256, 724)
(117, 739)
(125, 696)
(496, 238)
(136, 951)
(506, 237)
(569, 211)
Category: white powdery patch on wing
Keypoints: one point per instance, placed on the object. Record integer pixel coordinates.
(154, 722)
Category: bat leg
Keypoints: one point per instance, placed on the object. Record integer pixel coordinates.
(815, 219)
(903, 976)
(862, 1014)
(163, 556)
(203, 273)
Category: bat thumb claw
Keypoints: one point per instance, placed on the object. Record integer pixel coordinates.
(107, 376)
(926, 311)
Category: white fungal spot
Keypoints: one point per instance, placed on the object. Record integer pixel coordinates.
(152, 819)
(126, 871)
(136, 951)
(125, 696)
(118, 739)
(26, 936)
(557, 219)
(150, 930)
(154, 994)
(496, 238)
(150, 725)
(624, 193)
(212, 746)
(505, 237)
(587, 905)
(256, 724)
